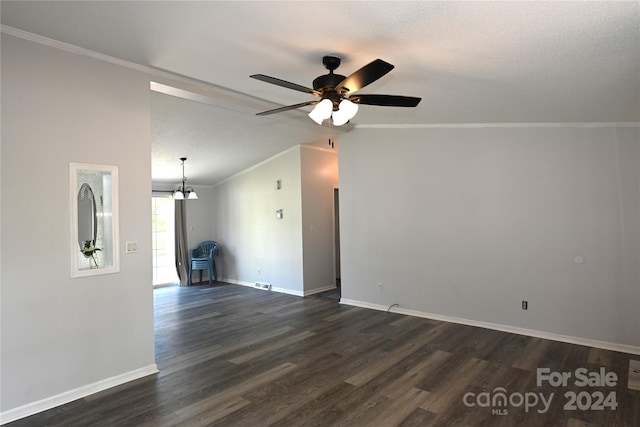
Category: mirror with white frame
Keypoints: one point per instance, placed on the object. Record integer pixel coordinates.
(94, 219)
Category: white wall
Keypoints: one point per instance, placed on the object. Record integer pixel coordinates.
(319, 171)
(245, 224)
(199, 224)
(60, 336)
(294, 254)
(467, 223)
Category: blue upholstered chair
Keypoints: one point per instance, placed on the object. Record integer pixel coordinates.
(203, 258)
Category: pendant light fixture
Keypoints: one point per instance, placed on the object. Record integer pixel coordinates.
(184, 192)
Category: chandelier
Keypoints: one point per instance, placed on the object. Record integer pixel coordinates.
(184, 192)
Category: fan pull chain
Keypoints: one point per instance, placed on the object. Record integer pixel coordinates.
(332, 136)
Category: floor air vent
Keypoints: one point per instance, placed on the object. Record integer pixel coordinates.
(263, 285)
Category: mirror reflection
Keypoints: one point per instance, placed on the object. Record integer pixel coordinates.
(87, 224)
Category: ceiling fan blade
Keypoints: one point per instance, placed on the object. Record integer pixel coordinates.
(386, 100)
(284, 83)
(364, 76)
(287, 108)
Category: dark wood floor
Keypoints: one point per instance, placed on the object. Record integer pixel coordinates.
(234, 356)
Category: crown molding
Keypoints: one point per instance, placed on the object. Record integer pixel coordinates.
(586, 125)
(159, 77)
(46, 41)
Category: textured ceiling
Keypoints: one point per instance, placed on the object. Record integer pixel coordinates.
(471, 62)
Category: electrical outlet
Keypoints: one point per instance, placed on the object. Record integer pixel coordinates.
(525, 305)
(380, 288)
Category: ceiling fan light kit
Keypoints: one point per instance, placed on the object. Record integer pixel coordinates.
(321, 111)
(326, 109)
(336, 92)
(346, 111)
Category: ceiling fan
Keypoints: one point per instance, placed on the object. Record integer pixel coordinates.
(337, 93)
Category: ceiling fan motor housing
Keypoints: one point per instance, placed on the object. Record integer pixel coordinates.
(327, 82)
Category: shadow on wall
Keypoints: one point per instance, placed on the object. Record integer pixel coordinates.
(227, 262)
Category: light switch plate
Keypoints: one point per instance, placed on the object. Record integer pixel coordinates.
(132, 246)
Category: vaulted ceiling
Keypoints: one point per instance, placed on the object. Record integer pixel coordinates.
(471, 62)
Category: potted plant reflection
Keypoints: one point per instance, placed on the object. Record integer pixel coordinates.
(89, 251)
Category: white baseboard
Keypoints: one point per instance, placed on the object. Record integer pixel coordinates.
(237, 282)
(75, 394)
(273, 288)
(287, 291)
(319, 290)
(281, 290)
(623, 348)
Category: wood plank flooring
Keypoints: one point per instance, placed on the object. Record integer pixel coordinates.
(234, 356)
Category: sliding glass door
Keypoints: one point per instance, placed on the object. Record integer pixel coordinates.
(164, 265)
